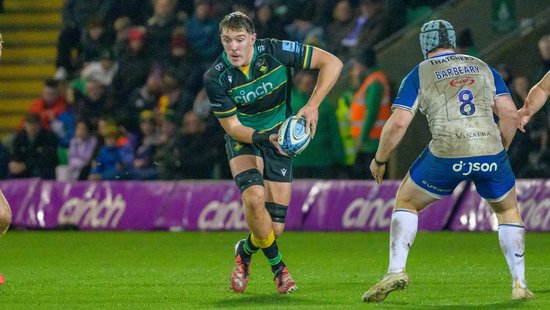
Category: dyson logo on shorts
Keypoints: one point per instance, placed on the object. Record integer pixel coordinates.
(467, 168)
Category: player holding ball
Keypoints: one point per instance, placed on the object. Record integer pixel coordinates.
(249, 90)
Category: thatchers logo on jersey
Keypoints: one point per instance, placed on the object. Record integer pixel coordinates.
(261, 90)
(467, 167)
(217, 215)
(92, 213)
(460, 82)
(368, 213)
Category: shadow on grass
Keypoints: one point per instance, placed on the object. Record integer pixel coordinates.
(268, 300)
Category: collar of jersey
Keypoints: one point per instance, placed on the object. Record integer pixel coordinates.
(441, 55)
(228, 63)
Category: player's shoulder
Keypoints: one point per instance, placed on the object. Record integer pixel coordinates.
(216, 70)
(271, 45)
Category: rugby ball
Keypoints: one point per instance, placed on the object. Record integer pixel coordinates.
(293, 138)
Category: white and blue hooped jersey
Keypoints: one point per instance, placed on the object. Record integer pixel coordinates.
(456, 93)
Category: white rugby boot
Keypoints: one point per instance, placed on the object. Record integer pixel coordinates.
(389, 283)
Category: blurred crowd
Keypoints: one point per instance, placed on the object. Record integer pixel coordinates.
(127, 99)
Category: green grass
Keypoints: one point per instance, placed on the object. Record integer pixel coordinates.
(161, 270)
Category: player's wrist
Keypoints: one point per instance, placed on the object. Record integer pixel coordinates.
(380, 163)
(260, 137)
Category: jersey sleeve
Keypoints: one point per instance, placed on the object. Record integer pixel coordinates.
(500, 85)
(220, 102)
(291, 53)
(408, 92)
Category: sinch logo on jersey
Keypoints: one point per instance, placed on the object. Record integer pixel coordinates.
(251, 96)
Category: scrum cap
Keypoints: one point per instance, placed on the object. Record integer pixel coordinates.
(436, 34)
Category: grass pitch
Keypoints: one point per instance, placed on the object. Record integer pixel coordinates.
(162, 270)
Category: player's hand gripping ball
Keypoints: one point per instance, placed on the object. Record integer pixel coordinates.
(293, 138)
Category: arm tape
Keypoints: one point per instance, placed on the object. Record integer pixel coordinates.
(260, 137)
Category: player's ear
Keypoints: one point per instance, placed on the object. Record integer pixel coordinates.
(252, 38)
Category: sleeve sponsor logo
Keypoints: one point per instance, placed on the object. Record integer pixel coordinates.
(219, 66)
(289, 46)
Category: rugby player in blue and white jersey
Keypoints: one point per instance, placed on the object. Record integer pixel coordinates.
(5, 210)
(459, 95)
(249, 90)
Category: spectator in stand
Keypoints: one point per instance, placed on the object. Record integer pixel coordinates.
(94, 104)
(544, 67)
(183, 63)
(175, 96)
(138, 11)
(76, 15)
(81, 151)
(268, 25)
(144, 98)
(108, 163)
(321, 158)
(369, 110)
(370, 27)
(465, 43)
(122, 26)
(194, 139)
(134, 66)
(34, 151)
(160, 28)
(202, 107)
(167, 154)
(303, 29)
(144, 167)
(202, 33)
(336, 31)
(102, 70)
(97, 38)
(4, 161)
(50, 104)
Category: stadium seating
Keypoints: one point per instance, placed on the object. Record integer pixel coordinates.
(30, 29)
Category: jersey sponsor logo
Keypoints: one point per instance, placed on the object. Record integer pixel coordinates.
(473, 135)
(230, 78)
(219, 66)
(460, 82)
(466, 168)
(251, 96)
(289, 46)
(221, 216)
(92, 212)
(261, 48)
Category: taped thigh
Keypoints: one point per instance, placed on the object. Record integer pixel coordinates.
(248, 178)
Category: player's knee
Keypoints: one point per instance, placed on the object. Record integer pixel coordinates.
(248, 178)
(253, 199)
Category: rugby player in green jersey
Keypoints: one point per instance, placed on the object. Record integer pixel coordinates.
(5, 211)
(249, 90)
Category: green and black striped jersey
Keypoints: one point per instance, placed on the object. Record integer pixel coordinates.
(260, 97)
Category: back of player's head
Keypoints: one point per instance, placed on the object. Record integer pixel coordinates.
(237, 21)
(436, 34)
